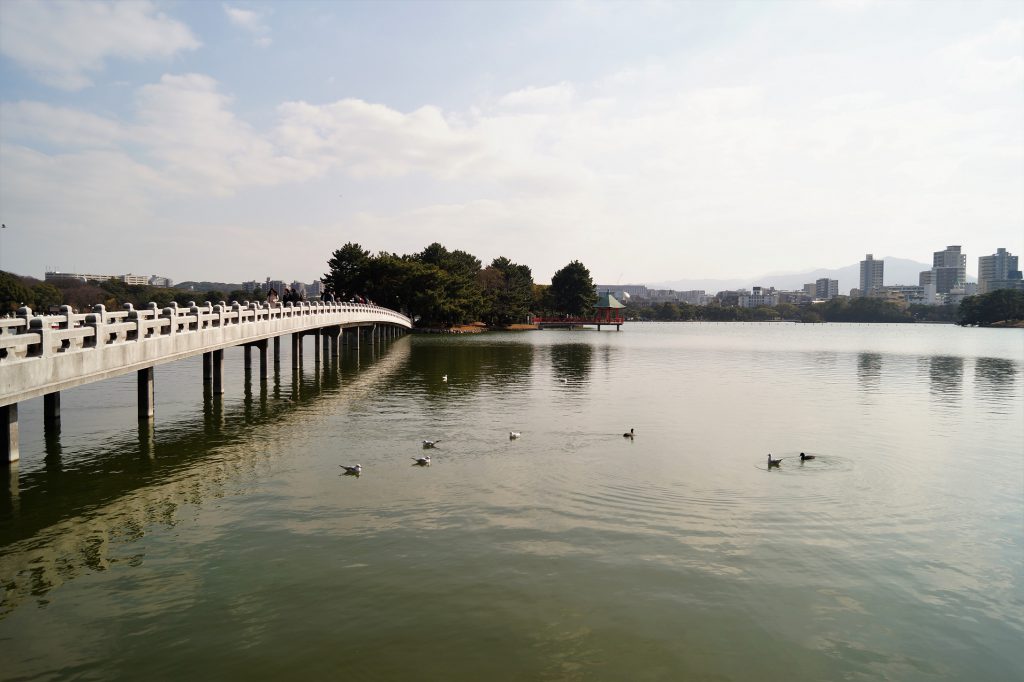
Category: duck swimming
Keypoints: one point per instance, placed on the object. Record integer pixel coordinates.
(773, 462)
(629, 435)
(422, 461)
(512, 435)
(352, 470)
(804, 458)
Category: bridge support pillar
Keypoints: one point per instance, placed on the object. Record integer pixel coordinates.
(51, 410)
(9, 434)
(247, 354)
(296, 350)
(146, 393)
(262, 346)
(277, 352)
(218, 372)
(359, 332)
(316, 346)
(207, 368)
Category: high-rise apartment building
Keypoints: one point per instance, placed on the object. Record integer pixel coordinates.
(999, 266)
(826, 289)
(949, 268)
(871, 275)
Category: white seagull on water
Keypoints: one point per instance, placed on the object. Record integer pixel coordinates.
(512, 435)
(430, 443)
(352, 470)
(422, 461)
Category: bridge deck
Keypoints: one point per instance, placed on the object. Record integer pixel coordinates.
(45, 354)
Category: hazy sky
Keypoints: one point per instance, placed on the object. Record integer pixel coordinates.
(652, 141)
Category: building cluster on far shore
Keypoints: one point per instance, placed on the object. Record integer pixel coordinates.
(305, 291)
(129, 279)
(945, 283)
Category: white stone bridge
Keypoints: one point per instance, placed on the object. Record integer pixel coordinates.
(41, 355)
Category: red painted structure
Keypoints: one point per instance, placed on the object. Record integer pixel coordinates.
(607, 311)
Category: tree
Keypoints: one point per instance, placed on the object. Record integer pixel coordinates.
(507, 291)
(1001, 305)
(463, 299)
(864, 309)
(348, 271)
(45, 296)
(13, 294)
(572, 290)
(83, 296)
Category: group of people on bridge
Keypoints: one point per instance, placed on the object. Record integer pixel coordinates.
(293, 296)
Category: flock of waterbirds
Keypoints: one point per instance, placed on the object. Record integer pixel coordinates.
(357, 469)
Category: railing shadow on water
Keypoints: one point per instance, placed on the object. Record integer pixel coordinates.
(59, 520)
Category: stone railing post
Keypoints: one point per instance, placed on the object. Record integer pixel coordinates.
(68, 322)
(41, 326)
(97, 319)
(133, 316)
(154, 314)
(194, 310)
(171, 313)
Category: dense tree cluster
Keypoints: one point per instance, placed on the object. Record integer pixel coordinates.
(1000, 306)
(436, 287)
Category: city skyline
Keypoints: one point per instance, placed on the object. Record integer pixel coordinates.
(651, 141)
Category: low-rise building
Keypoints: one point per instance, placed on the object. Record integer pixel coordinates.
(758, 297)
(905, 294)
(130, 279)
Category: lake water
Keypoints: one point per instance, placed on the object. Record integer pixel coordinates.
(227, 544)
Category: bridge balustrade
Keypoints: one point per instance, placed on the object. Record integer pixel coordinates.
(44, 354)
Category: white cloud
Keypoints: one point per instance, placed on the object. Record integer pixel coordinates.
(544, 99)
(64, 43)
(747, 159)
(989, 61)
(250, 21)
(40, 122)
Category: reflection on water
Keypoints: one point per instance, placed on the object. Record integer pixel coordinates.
(946, 374)
(869, 370)
(60, 520)
(467, 365)
(570, 553)
(995, 377)
(572, 361)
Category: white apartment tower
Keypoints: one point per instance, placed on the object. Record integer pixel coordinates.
(871, 275)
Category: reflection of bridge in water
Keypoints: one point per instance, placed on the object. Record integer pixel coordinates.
(60, 521)
(44, 355)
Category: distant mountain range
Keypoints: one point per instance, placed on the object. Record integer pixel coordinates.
(897, 271)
